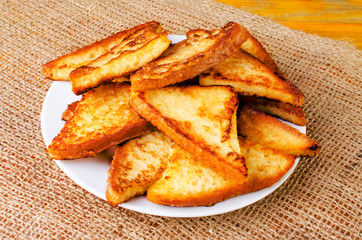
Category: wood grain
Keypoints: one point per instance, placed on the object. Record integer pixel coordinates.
(337, 19)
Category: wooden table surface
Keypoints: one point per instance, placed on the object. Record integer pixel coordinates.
(337, 19)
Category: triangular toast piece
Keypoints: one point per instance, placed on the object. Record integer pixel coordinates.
(138, 48)
(268, 131)
(101, 119)
(201, 50)
(136, 165)
(279, 109)
(60, 68)
(251, 77)
(188, 182)
(202, 120)
(254, 47)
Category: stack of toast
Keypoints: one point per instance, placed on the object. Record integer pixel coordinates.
(193, 123)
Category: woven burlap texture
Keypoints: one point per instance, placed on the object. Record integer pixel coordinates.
(322, 199)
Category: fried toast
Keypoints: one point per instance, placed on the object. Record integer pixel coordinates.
(201, 50)
(265, 165)
(101, 119)
(69, 111)
(134, 51)
(254, 47)
(60, 68)
(268, 131)
(202, 120)
(251, 77)
(188, 182)
(279, 109)
(136, 165)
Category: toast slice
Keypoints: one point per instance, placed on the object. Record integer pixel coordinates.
(101, 119)
(136, 165)
(202, 120)
(200, 51)
(251, 77)
(276, 108)
(268, 131)
(134, 51)
(188, 182)
(60, 68)
(254, 48)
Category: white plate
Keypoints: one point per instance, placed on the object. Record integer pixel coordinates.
(91, 173)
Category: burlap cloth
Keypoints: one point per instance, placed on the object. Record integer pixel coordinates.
(322, 199)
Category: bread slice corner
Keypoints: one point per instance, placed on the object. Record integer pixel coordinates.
(202, 120)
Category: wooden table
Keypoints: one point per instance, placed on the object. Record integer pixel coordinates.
(337, 19)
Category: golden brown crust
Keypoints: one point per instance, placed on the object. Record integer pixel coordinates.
(137, 49)
(166, 70)
(81, 136)
(188, 182)
(193, 144)
(285, 111)
(268, 131)
(136, 165)
(69, 112)
(204, 199)
(89, 148)
(251, 77)
(254, 47)
(60, 68)
(260, 181)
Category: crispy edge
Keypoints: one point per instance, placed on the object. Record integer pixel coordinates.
(232, 188)
(220, 51)
(87, 71)
(256, 184)
(146, 110)
(89, 148)
(296, 96)
(135, 127)
(53, 68)
(69, 111)
(255, 48)
(208, 199)
(256, 116)
(114, 193)
(283, 110)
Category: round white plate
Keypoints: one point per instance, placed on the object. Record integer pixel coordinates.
(91, 173)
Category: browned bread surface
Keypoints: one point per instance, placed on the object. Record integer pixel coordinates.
(136, 165)
(102, 118)
(202, 120)
(265, 165)
(279, 109)
(137, 49)
(189, 182)
(251, 77)
(254, 47)
(60, 68)
(266, 130)
(69, 111)
(201, 50)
